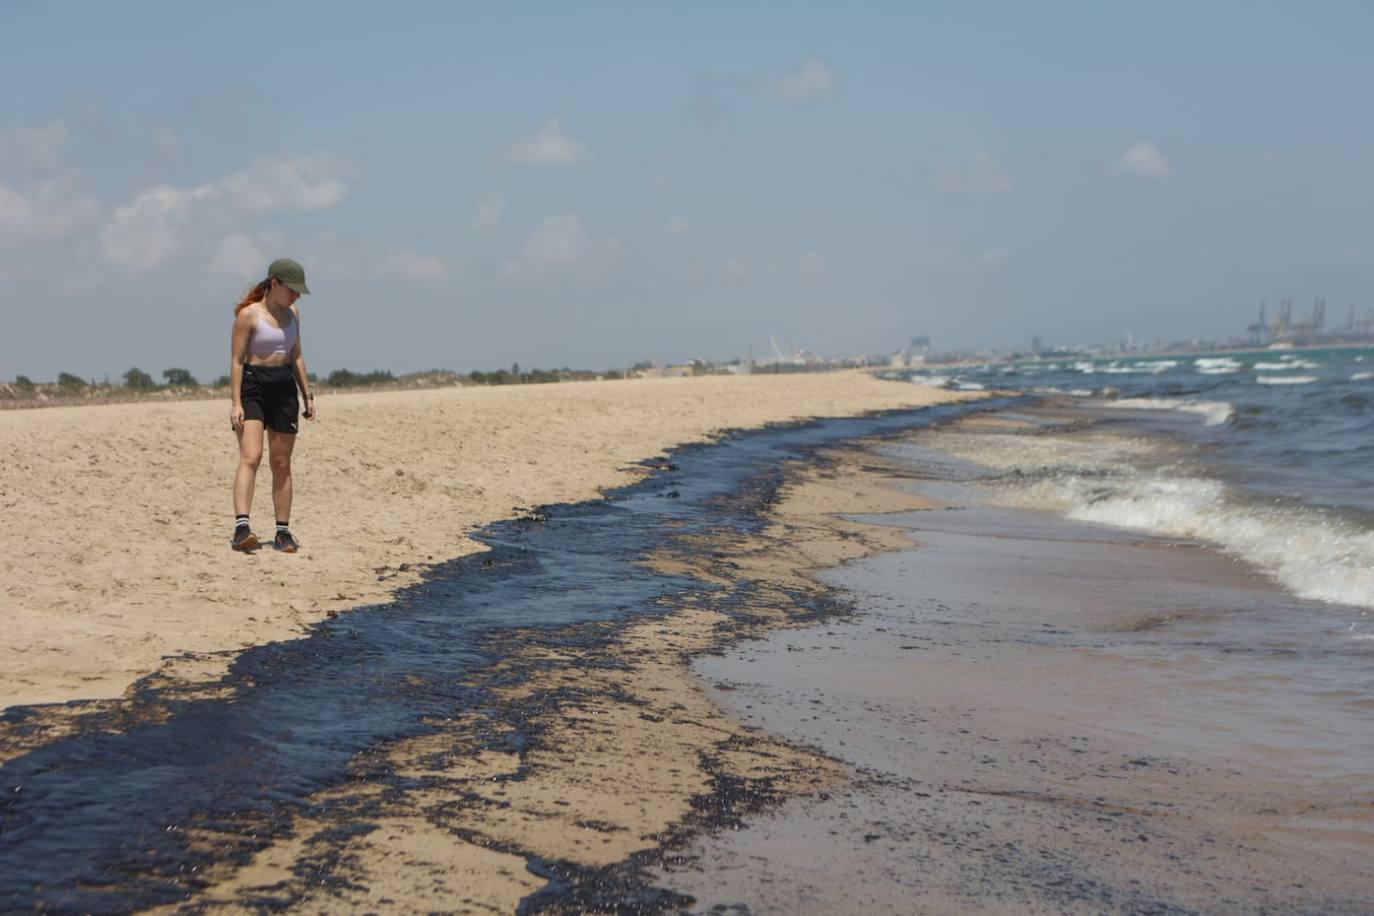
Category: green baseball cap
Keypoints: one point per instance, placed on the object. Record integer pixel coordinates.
(289, 272)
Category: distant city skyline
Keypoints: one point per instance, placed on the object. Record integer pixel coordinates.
(470, 187)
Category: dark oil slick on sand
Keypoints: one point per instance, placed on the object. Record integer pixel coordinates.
(129, 810)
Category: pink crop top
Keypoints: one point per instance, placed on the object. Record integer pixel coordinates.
(269, 341)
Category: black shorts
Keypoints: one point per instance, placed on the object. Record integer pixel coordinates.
(268, 394)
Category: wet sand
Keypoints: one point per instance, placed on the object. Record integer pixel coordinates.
(1041, 717)
(117, 517)
(623, 756)
(619, 755)
(985, 732)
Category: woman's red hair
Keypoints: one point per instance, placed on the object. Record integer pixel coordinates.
(256, 293)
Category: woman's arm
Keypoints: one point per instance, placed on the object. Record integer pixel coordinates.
(302, 378)
(238, 351)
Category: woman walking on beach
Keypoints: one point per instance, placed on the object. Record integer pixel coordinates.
(264, 372)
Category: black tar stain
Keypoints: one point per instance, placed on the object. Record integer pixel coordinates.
(147, 793)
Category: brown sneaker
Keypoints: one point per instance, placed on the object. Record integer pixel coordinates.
(244, 539)
(286, 542)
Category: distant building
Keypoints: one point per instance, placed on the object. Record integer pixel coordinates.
(917, 351)
(663, 372)
(1036, 346)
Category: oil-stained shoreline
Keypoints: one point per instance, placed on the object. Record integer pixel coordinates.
(196, 795)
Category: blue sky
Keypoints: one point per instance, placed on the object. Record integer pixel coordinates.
(469, 187)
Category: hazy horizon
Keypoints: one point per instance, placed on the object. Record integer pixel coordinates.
(473, 187)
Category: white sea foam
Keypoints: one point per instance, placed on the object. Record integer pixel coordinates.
(1150, 485)
(970, 386)
(1285, 379)
(1213, 413)
(1216, 365)
(1315, 555)
(938, 381)
(1361, 376)
(1285, 363)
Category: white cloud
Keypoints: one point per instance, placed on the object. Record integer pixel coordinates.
(732, 269)
(410, 266)
(39, 199)
(962, 262)
(558, 242)
(812, 83)
(676, 225)
(489, 212)
(167, 144)
(341, 258)
(38, 147)
(16, 213)
(811, 264)
(159, 221)
(48, 210)
(240, 254)
(549, 146)
(1142, 160)
(293, 181)
(149, 229)
(981, 176)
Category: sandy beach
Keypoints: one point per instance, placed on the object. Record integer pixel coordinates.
(627, 756)
(118, 517)
(837, 667)
(619, 750)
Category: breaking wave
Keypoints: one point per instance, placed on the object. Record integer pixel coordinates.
(1286, 379)
(1315, 554)
(1148, 484)
(1213, 413)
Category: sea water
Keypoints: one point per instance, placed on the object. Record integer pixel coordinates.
(1265, 458)
(1268, 455)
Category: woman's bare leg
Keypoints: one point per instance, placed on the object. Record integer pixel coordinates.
(280, 446)
(250, 456)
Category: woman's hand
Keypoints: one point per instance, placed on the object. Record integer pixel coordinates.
(236, 417)
(310, 411)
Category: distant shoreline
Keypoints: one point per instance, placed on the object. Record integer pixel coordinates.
(12, 397)
(97, 395)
